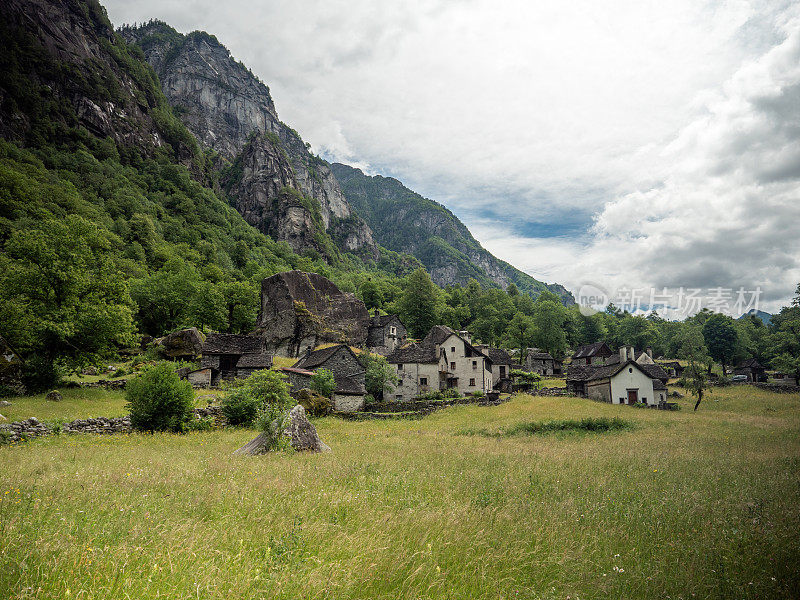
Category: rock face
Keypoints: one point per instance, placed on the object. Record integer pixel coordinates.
(229, 110)
(73, 57)
(306, 309)
(404, 221)
(186, 343)
(302, 435)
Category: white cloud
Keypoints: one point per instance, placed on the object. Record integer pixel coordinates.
(674, 123)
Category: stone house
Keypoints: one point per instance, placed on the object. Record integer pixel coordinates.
(592, 354)
(298, 378)
(539, 361)
(443, 360)
(753, 369)
(223, 351)
(673, 368)
(621, 379)
(385, 334)
(347, 370)
(502, 362)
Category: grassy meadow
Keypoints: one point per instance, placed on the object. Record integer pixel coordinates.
(676, 505)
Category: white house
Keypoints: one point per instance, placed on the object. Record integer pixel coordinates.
(444, 359)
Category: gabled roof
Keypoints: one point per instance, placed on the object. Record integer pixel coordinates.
(537, 354)
(595, 372)
(229, 343)
(317, 358)
(498, 356)
(383, 320)
(592, 350)
(422, 353)
(750, 363)
(255, 361)
(658, 385)
(438, 334)
(350, 385)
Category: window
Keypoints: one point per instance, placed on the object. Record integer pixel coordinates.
(452, 366)
(472, 382)
(630, 369)
(453, 349)
(400, 367)
(474, 365)
(392, 330)
(502, 372)
(423, 381)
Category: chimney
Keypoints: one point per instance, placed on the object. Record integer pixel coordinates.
(649, 351)
(631, 353)
(623, 353)
(466, 335)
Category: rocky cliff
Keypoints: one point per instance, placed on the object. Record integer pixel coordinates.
(230, 111)
(65, 72)
(402, 220)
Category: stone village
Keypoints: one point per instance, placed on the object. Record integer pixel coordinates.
(304, 316)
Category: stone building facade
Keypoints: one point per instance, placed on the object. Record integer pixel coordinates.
(347, 370)
(386, 334)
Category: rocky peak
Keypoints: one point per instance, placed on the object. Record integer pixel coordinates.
(223, 103)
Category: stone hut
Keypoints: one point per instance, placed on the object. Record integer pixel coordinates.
(248, 363)
(347, 371)
(753, 369)
(540, 362)
(592, 354)
(386, 333)
(223, 351)
(501, 362)
(673, 368)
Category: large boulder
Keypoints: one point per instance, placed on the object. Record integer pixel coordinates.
(299, 431)
(306, 309)
(54, 396)
(185, 343)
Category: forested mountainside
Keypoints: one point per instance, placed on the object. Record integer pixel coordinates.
(401, 218)
(232, 113)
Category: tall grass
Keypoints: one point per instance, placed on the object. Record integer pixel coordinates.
(685, 505)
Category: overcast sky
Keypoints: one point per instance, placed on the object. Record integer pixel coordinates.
(633, 145)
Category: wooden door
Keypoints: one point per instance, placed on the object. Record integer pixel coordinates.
(633, 396)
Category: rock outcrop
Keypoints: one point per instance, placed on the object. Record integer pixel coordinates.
(306, 309)
(185, 343)
(299, 432)
(230, 111)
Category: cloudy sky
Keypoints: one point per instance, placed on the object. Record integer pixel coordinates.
(633, 144)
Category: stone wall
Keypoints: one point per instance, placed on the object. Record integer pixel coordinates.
(32, 427)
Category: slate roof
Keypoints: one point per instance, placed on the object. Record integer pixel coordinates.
(674, 364)
(229, 343)
(498, 356)
(382, 320)
(611, 368)
(658, 385)
(750, 363)
(423, 353)
(590, 350)
(351, 386)
(438, 334)
(317, 358)
(537, 354)
(298, 371)
(255, 361)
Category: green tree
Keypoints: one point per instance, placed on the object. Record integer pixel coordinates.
(64, 300)
(418, 303)
(159, 400)
(207, 307)
(164, 297)
(637, 331)
(371, 295)
(549, 316)
(521, 332)
(241, 300)
(691, 347)
(323, 382)
(721, 338)
(380, 377)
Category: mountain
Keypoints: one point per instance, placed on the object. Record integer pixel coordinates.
(231, 112)
(403, 220)
(765, 317)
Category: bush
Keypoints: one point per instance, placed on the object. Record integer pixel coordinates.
(119, 373)
(323, 383)
(159, 400)
(315, 404)
(263, 395)
(204, 424)
(451, 393)
(39, 375)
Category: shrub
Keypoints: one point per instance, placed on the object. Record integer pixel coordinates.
(119, 372)
(261, 398)
(40, 374)
(323, 382)
(315, 404)
(434, 396)
(451, 393)
(159, 400)
(204, 424)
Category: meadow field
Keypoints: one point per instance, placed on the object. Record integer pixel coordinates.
(678, 505)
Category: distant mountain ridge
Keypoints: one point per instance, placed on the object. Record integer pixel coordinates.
(765, 317)
(403, 220)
